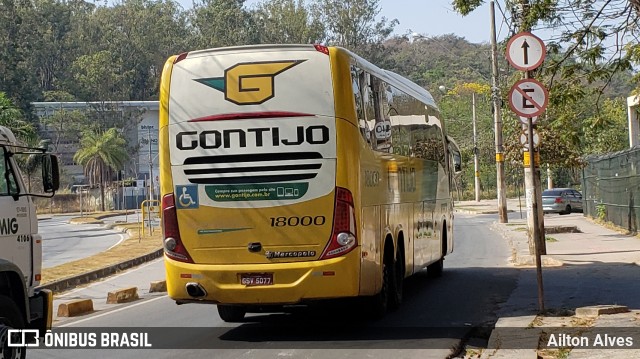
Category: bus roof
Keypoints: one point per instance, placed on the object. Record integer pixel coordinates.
(390, 77)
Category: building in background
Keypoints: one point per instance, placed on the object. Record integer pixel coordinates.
(141, 132)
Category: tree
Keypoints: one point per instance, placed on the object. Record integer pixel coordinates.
(355, 25)
(13, 118)
(100, 153)
(17, 79)
(594, 40)
(100, 76)
(222, 23)
(288, 22)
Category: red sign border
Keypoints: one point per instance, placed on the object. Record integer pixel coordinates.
(528, 68)
(543, 107)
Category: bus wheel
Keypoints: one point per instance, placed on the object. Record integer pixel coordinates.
(379, 303)
(10, 319)
(231, 313)
(398, 282)
(434, 270)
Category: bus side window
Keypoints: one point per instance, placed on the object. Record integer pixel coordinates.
(357, 81)
(368, 100)
(382, 127)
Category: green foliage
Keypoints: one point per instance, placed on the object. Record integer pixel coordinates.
(288, 22)
(223, 23)
(100, 75)
(356, 25)
(601, 211)
(13, 118)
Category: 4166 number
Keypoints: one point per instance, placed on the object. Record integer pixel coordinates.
(297, 221)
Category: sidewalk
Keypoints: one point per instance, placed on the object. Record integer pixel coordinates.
(591, 273)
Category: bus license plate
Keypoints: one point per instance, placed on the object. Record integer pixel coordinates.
(255, 279)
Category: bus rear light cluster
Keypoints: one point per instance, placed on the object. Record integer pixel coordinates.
(343, 236)
(173, 246)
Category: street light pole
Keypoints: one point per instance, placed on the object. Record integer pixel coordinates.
(476, 160)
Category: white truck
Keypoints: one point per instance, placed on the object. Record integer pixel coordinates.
(22, 304)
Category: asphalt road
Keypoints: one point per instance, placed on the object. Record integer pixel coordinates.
(437, 314)
(64, 242)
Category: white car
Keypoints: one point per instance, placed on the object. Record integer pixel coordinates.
(561, 200)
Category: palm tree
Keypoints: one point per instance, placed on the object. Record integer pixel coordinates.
(99, 153)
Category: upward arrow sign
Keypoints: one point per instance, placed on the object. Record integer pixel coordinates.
(525, 48)
(525, 51)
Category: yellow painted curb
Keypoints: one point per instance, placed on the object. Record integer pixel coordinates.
(158, 286)
(122, 295)
(75, 308)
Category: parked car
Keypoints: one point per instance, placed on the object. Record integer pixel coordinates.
(561, 200)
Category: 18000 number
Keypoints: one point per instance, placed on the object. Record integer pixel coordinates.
(297, 221)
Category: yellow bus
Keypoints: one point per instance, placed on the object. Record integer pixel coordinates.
(295, 173)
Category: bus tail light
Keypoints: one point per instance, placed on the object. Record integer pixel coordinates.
(173, 246)
(343, 235)
(322, 48)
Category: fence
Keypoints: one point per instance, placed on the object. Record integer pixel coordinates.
(611, 186)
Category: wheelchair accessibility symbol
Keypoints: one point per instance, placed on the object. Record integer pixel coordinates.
(187, 196)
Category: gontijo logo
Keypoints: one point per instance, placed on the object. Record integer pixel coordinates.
(249, 83)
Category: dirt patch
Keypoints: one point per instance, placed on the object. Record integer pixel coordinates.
(132, 247)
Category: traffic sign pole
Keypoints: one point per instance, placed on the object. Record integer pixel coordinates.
(529, 98)
(538, 240)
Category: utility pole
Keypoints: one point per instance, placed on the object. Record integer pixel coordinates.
(476, 161)
(150, 165)
(497, 117)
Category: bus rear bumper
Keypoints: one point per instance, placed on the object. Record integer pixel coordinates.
(292, 282)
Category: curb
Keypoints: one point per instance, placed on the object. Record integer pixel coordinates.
(85, 278)
(488, 211)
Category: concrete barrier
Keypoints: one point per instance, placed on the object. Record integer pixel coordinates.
(158, 286)
(122, 295)
(75, 307)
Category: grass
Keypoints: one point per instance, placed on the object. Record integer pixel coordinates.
(130, 248)
(550, 239)
(85, 220)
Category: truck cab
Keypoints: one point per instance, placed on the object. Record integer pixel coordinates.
(22, 304)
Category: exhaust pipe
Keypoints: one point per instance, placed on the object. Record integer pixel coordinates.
(195, 290)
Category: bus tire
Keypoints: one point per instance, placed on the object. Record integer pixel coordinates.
(231, 313)
(379, 303)
(435, 269)
(11, 318)
(398, 281)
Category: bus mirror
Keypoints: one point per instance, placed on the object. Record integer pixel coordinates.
(50, 173)
(457, 163)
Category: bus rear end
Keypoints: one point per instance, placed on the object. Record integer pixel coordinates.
(251, 211)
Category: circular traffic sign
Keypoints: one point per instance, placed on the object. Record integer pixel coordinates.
(525, 51)
(528, 98)
(524, 139)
